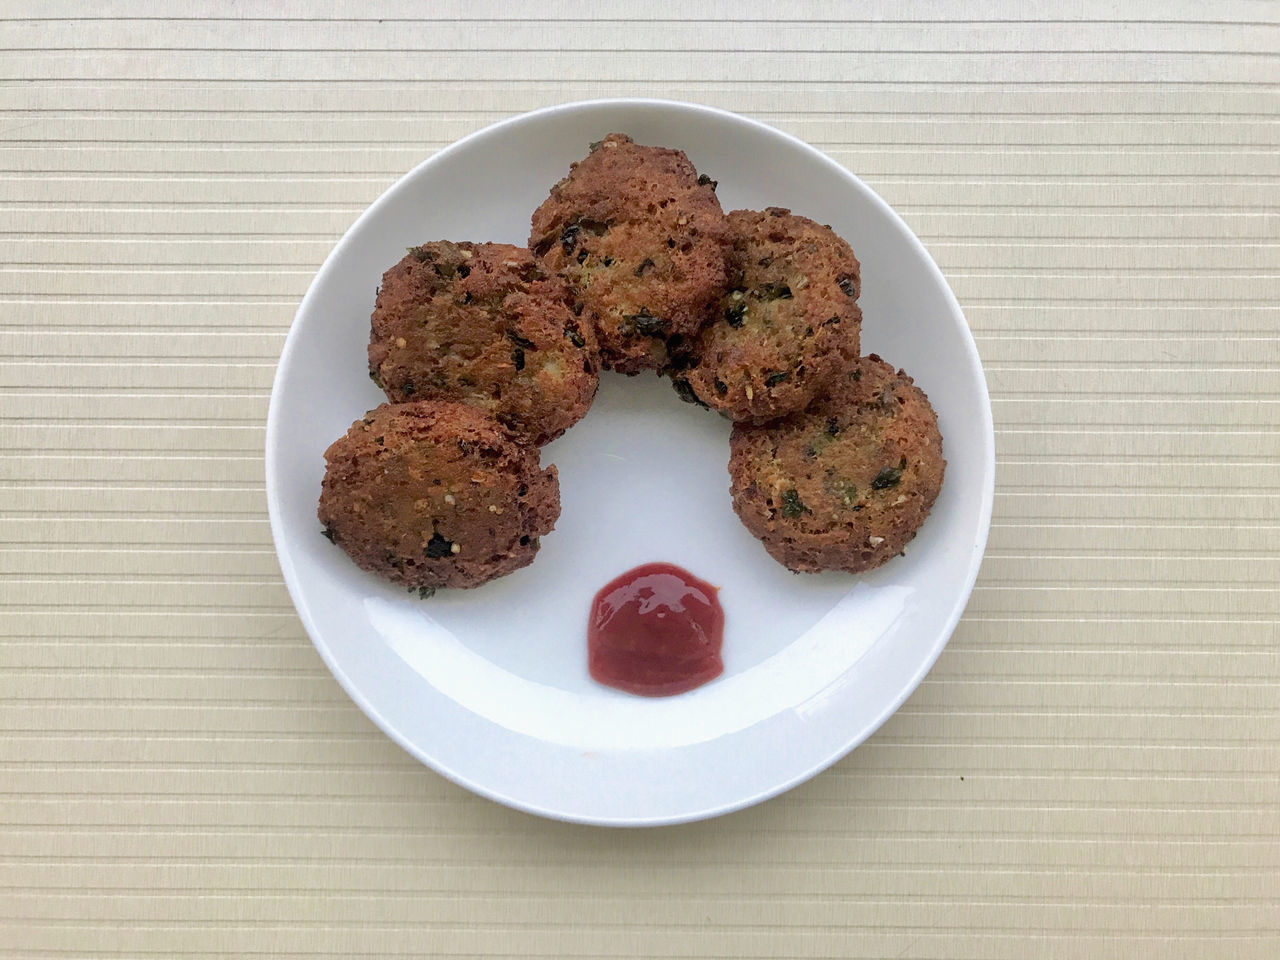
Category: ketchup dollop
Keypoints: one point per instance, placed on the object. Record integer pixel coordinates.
(655, 630)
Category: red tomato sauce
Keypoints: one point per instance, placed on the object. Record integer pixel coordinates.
(655, 631)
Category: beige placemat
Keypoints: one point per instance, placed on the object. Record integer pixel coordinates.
(1089, 771)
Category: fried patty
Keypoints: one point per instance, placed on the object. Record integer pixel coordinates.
(640, 237)
(433, 494)
(787, 325)
(847, 483)
(487, 325)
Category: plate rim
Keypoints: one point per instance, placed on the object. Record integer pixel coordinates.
(288, 571)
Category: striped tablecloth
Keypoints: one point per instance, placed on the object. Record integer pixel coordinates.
(1091, 770)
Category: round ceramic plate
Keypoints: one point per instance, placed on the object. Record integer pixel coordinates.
(490, 686)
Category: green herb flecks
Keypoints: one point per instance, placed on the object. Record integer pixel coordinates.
(645, 324)
(792, 505)
(889, 476)
(685, 392)
(569, 238)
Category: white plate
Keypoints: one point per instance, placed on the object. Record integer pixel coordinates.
(490, 686)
